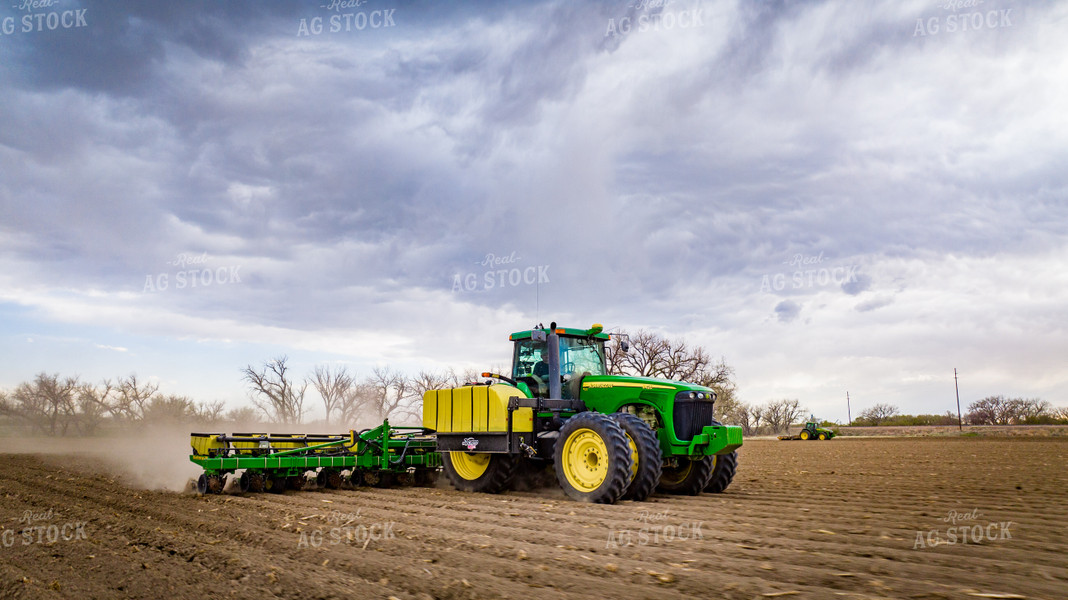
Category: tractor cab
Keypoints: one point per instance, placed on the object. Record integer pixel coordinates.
(551, 362)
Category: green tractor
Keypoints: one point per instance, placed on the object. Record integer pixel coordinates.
(607, 437)
(810, 432)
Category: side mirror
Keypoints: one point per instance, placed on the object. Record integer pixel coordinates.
(624, 346)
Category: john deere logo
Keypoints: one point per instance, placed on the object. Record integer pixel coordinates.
(470, 443)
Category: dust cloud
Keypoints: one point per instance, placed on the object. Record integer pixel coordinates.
(152, 457)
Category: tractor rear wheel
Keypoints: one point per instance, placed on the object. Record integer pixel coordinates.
(592, 458)
(688, 478)
(805, 434)
(646, 460)
(723, 468)
(479, 471)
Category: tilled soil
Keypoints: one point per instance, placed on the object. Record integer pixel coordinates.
(851, 518)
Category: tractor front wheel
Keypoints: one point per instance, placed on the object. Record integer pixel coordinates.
(646, 460)
(592, 458)
(479, 471)
(688, 477)
(823, 436)
(723, 468)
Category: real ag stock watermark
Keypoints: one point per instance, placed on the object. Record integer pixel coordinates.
(808, 273)
(654, 528)
(511, 275)
(42, 15)
(189, 277)
(346, 530)
(963, 16)
(965, 528)
(654, 15)
(346, 16)
(38, 528)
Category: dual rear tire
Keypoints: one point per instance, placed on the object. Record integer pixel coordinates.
(601, 459)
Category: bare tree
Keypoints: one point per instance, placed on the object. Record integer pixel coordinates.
(741, 414)
(999, 410)
(392, 395)
(243, 416)
(1023, 410)
(132, 398)
(428, 380)
(332, 386)
(210, 412)
(780, 414)
(755, 416)
(645, 358)
(273, 393)
(653, 355)
(356, 403)
(728, 409)
(987, 411)
(169, 409)
(877, 414)
(94, 404)
(47, 404)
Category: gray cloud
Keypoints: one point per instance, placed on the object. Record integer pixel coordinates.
(861, 283)
(659, 175)
(787, 311)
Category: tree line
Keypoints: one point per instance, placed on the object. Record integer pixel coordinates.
(279, 397)
(55, 405)
(992, 410)
(60, 406)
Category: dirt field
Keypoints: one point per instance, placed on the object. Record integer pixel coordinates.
(953, 431)
(806, 520)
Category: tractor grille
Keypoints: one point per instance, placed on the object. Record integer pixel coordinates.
(690, 416)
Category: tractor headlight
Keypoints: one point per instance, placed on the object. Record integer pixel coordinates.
(695, 395)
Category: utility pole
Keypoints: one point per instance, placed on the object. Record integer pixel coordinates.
(960, 426)
(849, 411)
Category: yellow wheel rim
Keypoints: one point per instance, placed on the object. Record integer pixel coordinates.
(823, 436)
(804, 435)
(469, 466)
(585, 458)
(633, 456)
(677, 475)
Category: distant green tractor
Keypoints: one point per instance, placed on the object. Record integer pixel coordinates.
(810, 432)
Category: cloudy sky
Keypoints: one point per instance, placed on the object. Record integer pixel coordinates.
(834, 196)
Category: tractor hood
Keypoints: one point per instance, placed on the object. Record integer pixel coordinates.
(643, 383)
